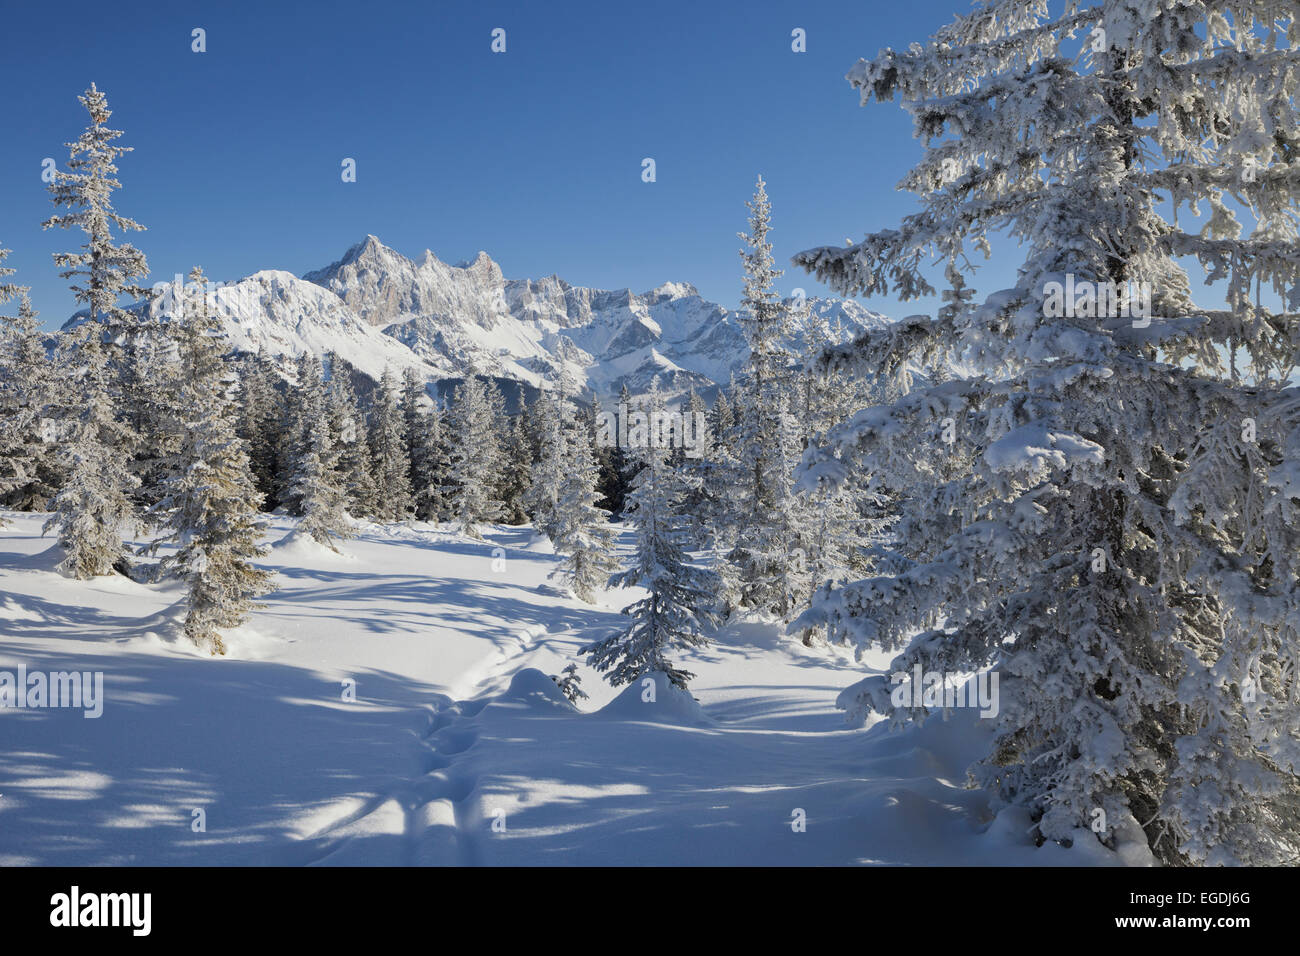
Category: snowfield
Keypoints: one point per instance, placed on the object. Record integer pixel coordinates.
(458, 749)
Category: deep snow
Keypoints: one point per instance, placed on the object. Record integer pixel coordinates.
(457, 749)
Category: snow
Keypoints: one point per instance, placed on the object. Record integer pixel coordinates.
(377, 308)
(455, 727)
(654, 698)
(278, 315)
(524, 329)
(1035, 445)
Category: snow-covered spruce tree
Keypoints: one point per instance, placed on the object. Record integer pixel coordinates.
(413, 399)
(1105, 511)
(828, 533)
(316, 491)
(504, 483)
(552, 419)
(699, 504)
(427, 449)
(303, 400)
(570, 684)
(516, 471)
(210, 504)
(530, 428)
(609, 461)
(146, 388)
(25, 376)
(348, 431)
(720, 473)
(673, 616)
(261, 424)
(581, 531)
(767, 575)
(391, 469)
(473, 443)
(93, 507)
(623, 463)
(104, 270)
(8, 290)
(713, 474)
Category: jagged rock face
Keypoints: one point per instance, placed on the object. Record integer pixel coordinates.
(549, 299)
(383, 286)
(529, 329)
(375, 307)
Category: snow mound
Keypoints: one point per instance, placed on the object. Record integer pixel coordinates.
(533, 688)
(666, 703)
(538, 544)
(164, 633)
(751, 631)
(1011, 831)
(299, 545)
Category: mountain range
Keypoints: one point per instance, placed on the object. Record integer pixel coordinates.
(377, 308)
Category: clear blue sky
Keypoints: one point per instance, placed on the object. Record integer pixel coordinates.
(533, 155)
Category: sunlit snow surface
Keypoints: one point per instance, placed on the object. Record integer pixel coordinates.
(457, 749)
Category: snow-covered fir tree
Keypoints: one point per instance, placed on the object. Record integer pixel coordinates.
(622, 461)
(146, 389)
(553, 419)
(829, 533)
(261, 425)
(316, 491)
(103, 269)
(504, 477)
(472, 442)
(581, 531)
(570, 684)
(8, 290)
(352, 442)
(766, 574)
(391, 469)
(1107, 509)
(609, 460)
(210, 504)
(426, 448)
(93, 507)
(705, 501)
(720, 472)
(150, 382)
(675, 614)
(25, 377)
(516, 472)
(304, 405)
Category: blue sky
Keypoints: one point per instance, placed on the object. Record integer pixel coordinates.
(533, 155)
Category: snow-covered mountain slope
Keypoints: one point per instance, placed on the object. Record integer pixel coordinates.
(276, 313)
(280, 316)
(529, 329)
(375, 307)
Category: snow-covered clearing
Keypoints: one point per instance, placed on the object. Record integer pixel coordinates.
(457, 749)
